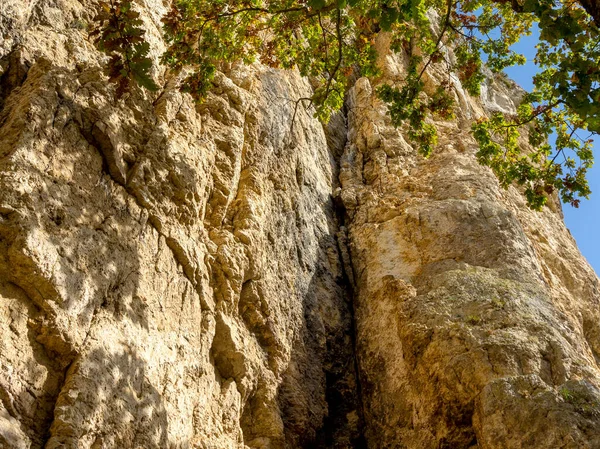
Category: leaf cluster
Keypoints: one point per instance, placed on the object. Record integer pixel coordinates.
(333, 42)
(119, 34)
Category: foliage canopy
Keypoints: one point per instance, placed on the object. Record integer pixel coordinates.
(333, 42)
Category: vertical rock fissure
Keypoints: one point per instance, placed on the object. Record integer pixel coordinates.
(350, 291)
(350, 282)
(344, 425)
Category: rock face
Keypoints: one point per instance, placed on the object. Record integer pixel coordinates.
(170, 272)
(175, 275)
(477, 319)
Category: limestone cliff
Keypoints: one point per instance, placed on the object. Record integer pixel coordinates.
(175, 275)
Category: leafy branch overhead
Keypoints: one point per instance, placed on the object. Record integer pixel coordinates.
(333, 43)
(121, 37)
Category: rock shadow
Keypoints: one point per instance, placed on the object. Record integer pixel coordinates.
(127, 410)
(321, 383)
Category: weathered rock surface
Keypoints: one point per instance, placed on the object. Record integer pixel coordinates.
(170, 272)
(175, 275)
(477, 319)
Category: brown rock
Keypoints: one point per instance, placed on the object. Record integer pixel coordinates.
(175, 275)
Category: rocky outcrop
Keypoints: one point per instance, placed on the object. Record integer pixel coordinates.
(477, 319)
(207, 276)
(170, 271)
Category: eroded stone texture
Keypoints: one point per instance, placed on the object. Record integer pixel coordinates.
(181, 275)
(476, 317)
(170, 271)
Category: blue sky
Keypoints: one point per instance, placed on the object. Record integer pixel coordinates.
(581, 222)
